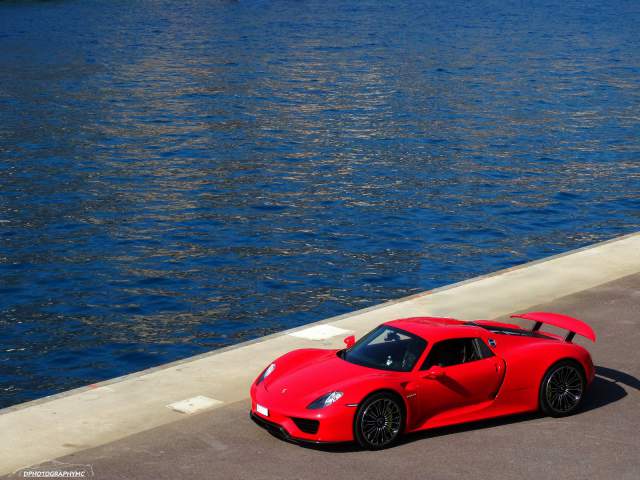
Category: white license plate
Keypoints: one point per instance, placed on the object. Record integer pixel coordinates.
(262, 410)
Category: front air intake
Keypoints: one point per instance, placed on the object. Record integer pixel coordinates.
(306, 425)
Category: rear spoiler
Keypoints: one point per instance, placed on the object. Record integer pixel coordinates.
(562, 321)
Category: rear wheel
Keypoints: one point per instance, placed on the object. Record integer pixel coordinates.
(562, 389)
(379, 421)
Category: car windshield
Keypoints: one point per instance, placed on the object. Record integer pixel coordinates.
(386, 348)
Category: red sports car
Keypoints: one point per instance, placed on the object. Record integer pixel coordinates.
(420, 373)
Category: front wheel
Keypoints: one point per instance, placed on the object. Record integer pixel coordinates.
(379, 421)
(562, 389)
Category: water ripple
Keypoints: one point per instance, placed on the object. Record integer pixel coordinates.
(181, 176)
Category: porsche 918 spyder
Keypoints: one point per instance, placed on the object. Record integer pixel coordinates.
(420, 373)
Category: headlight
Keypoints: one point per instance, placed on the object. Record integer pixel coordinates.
(268, 371)
(325, 400)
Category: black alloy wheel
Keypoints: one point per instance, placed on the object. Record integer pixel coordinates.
(379, 421)
(562, 389)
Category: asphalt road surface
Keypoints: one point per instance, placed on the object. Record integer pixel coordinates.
(600, 442)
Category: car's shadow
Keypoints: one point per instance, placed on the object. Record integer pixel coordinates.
(606, 389)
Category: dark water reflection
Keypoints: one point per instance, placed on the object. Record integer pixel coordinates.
(180, 176)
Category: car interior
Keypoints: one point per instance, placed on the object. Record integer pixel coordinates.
(390, 350)
(454, 352)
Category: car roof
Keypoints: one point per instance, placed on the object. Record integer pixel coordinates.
(434, 329)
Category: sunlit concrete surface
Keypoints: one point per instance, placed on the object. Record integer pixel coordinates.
(222, 437)
(194, 404)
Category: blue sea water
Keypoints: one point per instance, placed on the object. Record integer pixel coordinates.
(176, 177)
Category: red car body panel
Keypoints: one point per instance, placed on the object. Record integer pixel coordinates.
(506, 383)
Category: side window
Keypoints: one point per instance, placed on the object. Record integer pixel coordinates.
(483, 350)
(456, 351)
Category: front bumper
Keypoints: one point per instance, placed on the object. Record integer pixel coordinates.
(335, 423)
(280, 432)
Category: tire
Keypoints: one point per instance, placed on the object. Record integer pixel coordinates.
(379, 421)
(562, 389)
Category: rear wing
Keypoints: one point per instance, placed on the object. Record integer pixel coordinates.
(574, 325)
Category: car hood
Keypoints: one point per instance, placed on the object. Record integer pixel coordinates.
(316, 375)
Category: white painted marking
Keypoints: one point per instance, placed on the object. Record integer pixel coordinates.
(320, 332)
(195, 404)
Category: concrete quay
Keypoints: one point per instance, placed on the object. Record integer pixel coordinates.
(133, 426)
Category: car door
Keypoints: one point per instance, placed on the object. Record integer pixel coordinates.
(467, 373)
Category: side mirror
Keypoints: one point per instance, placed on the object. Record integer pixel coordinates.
(435, 373)
(350, 341)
